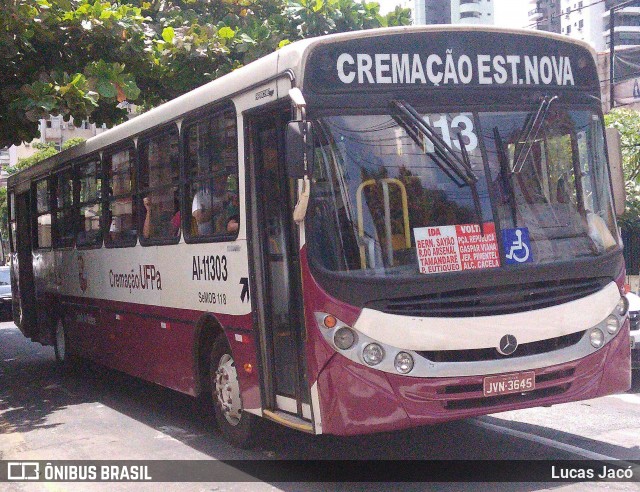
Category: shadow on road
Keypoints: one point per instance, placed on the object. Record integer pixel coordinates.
(29, 378)
(635, 382)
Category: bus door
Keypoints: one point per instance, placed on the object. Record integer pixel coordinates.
(276, 270)
(24, 312)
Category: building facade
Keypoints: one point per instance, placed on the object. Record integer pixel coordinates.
(590, 21)
(584, 20)
(452, 11)
(544, 15)
(626, 30)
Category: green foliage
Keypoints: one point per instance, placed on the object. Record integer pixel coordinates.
(80, 58)
(44, 153)
(62, 56)
(627, 122)
(72, 142)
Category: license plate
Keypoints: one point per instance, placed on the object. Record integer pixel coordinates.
(509, 383)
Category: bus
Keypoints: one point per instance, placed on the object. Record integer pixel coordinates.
(360, 232)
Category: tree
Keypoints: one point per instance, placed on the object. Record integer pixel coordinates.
(627, 122)
(66, 57)
(81, 58)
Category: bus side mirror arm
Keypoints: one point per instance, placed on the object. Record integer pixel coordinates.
(300, 209)
(299, 149)
(299, 162)
(614, 151)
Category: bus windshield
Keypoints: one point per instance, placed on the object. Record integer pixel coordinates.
(379, 191)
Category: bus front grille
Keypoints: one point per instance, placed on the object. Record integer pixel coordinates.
(490, 301)
(475, 355)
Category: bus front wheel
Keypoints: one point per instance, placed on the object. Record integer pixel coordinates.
(237, 426)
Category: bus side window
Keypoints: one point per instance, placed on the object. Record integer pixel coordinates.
(64, 217)
(120, 228)
(43, 215)
(89, 187)
(160, 188)
(211, 168)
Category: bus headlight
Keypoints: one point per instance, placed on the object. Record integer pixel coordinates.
(403, 362)
(623, 306)
(373, 354)
(344, 338)
(596, 337)
(613, 324)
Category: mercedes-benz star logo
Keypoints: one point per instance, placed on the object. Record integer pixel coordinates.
(508, 345)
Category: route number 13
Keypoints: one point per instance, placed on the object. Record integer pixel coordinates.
(449, 125)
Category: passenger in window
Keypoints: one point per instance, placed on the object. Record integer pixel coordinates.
(159, 223)
(232, 209)
(146, 227)
(233, 224)
(207, 204)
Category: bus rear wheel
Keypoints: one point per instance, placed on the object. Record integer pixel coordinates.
(236, 425)
(61, 345)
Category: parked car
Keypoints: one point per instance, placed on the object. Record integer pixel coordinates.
(634, 319)
(5, 292)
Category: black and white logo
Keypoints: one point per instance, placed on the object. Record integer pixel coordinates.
(264, 93)
(508, 345)
(23, 470)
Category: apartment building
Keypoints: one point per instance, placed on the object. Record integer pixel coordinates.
(544, 15)
(452, 11)
(589, 20)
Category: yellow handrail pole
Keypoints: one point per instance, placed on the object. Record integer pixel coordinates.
(405, 208)
(359, 192)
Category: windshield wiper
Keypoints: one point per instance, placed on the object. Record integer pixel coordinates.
(457, 168)
(505, 175)
(530, 133)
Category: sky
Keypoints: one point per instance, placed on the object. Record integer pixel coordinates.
(508, 13)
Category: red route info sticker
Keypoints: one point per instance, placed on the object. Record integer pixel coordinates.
(455, 248)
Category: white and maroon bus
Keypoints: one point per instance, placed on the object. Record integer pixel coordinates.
(361, 232)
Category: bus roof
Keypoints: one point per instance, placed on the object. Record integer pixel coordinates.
(290, 58)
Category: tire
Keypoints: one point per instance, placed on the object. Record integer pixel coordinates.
(237, 426)
(61, 346)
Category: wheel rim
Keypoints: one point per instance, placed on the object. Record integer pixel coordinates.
(60, 342)
(227, 390)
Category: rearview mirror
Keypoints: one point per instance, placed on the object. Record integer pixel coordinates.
(299, 149)
(614, 151)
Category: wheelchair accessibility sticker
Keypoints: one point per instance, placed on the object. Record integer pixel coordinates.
(517, 246)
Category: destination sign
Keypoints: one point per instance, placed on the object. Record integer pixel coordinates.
(405, 68)
(450, 59)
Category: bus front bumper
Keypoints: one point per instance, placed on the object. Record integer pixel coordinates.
(355, 399)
